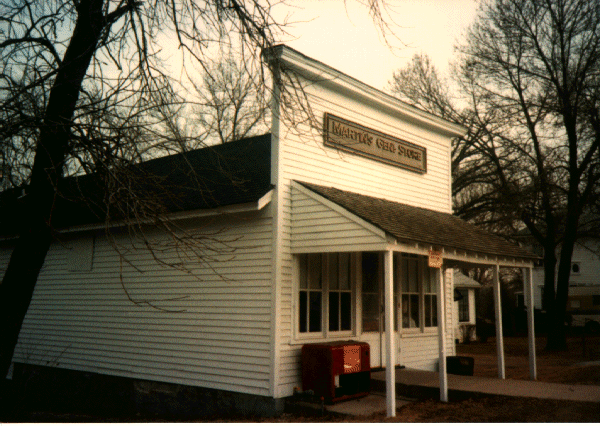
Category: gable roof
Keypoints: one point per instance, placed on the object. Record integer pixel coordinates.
(462, 281)
(418, 225)
(214, 176)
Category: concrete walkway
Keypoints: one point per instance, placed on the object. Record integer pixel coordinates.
(418, 384)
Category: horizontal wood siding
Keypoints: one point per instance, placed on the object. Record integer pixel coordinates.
(307, 159)
(198, 325)
(317, 228)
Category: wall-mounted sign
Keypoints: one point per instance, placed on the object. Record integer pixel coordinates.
(435, 259)
(351, 137)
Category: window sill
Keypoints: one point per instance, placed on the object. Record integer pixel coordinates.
(321, 338)
(430, 331)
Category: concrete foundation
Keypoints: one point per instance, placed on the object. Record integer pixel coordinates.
(60, 390)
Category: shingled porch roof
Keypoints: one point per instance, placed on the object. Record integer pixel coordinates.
(408, 224)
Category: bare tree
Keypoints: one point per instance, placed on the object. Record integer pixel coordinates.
(229, 104)
(530, 74)
(479, 190)
(84, 87)
(78, 81)
(538, 62)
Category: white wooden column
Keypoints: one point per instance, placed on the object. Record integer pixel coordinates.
(529, 303)
(499, 336)
(441, 314)
(390, 346)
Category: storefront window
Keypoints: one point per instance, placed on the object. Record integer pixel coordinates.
(429, 296)
(419, 292)
(340, 293)
(325, 292)
(411, 314)
(370, 292)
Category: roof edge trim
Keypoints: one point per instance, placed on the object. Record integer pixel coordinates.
(316, 70)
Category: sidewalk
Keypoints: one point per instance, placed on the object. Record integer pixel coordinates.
(418, 384)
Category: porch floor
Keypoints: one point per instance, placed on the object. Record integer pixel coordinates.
(418, 384)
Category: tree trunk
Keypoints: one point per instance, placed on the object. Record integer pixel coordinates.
(35, 235)
(557, 338)
(549, 275)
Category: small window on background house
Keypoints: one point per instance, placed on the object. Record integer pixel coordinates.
(596, 299)
(463, 306)
(575, 268)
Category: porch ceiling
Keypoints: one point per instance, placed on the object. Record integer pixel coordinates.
(408, 224)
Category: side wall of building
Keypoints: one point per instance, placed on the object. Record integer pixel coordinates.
(106, 306)
(586, 255)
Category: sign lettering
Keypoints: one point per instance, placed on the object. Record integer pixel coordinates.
(354, 138)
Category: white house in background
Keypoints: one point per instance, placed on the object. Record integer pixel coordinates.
(328, 225)
(584, 285)
(465, 297)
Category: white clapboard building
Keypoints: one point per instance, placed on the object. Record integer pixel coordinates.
(326, 229)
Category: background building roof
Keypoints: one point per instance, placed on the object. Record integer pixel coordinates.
(215, 176)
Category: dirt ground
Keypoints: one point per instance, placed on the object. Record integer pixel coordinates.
(563, 367)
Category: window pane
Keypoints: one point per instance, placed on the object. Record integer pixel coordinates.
(434, 321)
(413, 281)
(428, 313)
(370, 312)
(303, 312)
(427, 272)
(333, 271)
(346, 311)
(370, 277)
(315, 311)
(334, 311)
(414, 310)
(314, 271)
(463, 306)
(303, 271)
(433, 284)
(344, 271)
(404, 275)
(405, 311)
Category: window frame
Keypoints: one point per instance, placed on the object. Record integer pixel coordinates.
(465, 293)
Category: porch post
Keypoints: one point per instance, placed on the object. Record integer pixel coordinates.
(528, 291)
(499, 337)
(441, 314)
(390, 369)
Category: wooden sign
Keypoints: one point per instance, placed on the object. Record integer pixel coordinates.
(356, 139)
(435, 259)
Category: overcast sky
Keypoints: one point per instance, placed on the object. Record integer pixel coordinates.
(345, 37)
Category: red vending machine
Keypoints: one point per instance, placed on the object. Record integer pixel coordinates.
(336, 370)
